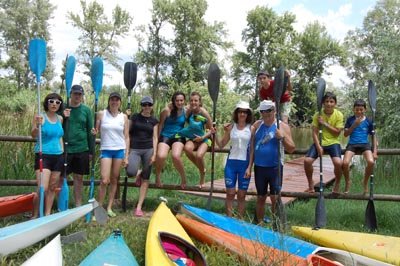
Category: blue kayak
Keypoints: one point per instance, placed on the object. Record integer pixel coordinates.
(250, 231)
(113, 251)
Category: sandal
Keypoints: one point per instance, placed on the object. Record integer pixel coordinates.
(139, 213)
(110, 213)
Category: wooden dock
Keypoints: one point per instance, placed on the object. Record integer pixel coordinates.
(294, 179)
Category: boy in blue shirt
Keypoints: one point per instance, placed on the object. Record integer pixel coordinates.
(358, 127)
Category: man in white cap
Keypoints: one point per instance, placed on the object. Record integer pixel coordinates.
(264, 147)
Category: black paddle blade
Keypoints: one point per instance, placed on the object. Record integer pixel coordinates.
(372, 96)
(214, 76)
(320, 212)
(279, 81)
(370, 216)
(281, 221)
(130, 75)
(320, 92)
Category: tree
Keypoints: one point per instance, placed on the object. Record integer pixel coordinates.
(269, 44)
(375, 55)
(21, 21)
(99, 36)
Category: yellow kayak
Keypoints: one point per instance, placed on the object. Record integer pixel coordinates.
(379, 247)
(167, 241)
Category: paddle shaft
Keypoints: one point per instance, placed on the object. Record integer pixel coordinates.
(125, 191)
(41, 187)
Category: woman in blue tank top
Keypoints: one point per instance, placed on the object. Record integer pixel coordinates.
(49, 123)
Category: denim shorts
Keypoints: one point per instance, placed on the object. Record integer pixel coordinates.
(333, 150)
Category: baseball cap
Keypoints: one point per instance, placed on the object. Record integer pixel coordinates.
(266, 105)
(77, 89)
(263, 73)
(114, 94)
(147, 99)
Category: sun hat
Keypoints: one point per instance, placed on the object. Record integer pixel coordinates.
(147, 99)
(243, 105)
(266, 105)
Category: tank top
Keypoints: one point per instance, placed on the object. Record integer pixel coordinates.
(172, 125)
(112, 131)
(240, 140)
(266, 146)
(52, 133)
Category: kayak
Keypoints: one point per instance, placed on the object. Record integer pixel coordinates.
(112, 251)
(51, 254)
(11, 205)
(267, 237)
(167, 243)
(379, 247)
(246, 250)
(18, 236)
(280, 242)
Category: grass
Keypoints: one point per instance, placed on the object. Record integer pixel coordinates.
(17, 159)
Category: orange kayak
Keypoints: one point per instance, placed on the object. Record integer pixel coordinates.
(10, 205)
(247, 250)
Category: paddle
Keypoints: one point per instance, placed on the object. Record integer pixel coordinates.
(214, 76)
(130, 75)
(370, 216)
(63, 197)
(37, 63)
(320, 211)
(96, 76)
(279, 89)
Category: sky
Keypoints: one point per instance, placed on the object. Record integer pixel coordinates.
(338, 16)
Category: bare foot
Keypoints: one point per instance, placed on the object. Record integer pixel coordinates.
(201, 185)
(347, 187)
(183, 185)
(158, 182)
(310, 190)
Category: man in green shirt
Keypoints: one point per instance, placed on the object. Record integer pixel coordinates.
(80, 140)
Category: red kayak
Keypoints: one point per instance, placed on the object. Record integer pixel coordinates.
(10, 205)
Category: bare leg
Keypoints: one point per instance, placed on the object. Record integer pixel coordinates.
(230, 196)
(369, 158)
(260, 208)
(78, 188)
(346, 169)
(105, 171)
(308, 168)
(116, 166)
(337, 164)
(241, 199)
(51, 190)
(177, 149)
(201, 151)
(162, 153)
(273, 204)
(142, 193)
(45, 180)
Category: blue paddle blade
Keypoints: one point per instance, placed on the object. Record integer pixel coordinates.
(63, 197)
(96, 75)
(37, 57)
(69, 73)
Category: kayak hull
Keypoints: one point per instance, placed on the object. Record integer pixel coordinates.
(112, 251)
(11, 205)
(379, 247)
(51, 254)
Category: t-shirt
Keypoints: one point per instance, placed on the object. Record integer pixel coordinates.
(335, 120)
(141, 131)
(80, 124)
(361, 132)
(268, 94)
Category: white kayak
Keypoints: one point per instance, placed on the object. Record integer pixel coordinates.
(25, 234)
(51, 254)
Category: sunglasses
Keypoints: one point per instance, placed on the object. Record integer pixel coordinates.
(242, 112)
(146, 104)
(51, 101)
(266, 111)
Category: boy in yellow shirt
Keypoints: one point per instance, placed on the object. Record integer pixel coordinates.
(331, 121)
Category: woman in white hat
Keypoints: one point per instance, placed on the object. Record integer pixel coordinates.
(239, 134)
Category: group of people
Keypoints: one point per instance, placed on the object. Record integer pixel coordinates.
(139, 141)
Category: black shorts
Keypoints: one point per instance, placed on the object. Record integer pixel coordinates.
(50, 161)
(358, 148)
(169, 141)
(333, 150)
(267, 176)
(78, 163)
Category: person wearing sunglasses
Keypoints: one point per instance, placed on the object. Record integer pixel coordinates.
(238, 133)
(265, 138)
(80, 140)
(143, 136)
(266, 92)
(113, 126)
(50, 125)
